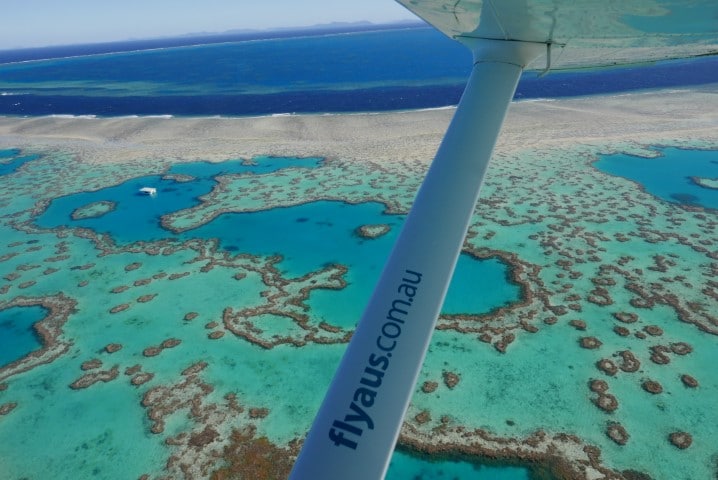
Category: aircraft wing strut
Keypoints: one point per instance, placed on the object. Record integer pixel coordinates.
(356, 428)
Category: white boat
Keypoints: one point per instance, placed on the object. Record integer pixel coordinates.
(151, 191)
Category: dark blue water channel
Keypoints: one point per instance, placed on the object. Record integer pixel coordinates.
(362, 71)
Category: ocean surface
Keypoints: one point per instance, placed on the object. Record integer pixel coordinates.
(51, 251)
(341, 72)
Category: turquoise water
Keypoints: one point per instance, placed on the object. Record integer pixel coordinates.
(404, 467)
(17, 337)
(479, 286)
(668, 176)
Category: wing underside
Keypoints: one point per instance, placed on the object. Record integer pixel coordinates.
(583, 33)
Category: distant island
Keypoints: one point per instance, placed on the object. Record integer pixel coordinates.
(197, 38)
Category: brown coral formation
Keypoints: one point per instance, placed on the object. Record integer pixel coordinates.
(451, 379)
(113, 347)
(629, 362)
(250, 457)
(681, 440)
(162, 401)
(141, 378)
(681, 348)
(6, 408)
(203, 438)
(622, 331)
(504, 342)
(689, 381)
(590, 342)
(617, 433)
(607, 366)
(177, 276)
(626, 317)
(92, 378)
(652, 386)
(146, 298)
(91, 364)
(606, 402)
(216, 335)
(151, 351)
(658, 355)
(429, 386)
(132, 266)
(423, 417)
(203, 448)
(286, 299)
(194, 369)
(154, 350)
(653, 330)
(598, 386)
(578, 324)
(120, 308)
(190, 316)
(255, 412)
(170, 343)
(372, 231)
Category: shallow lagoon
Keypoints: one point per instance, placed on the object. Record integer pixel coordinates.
(17, 337)
(15, 160)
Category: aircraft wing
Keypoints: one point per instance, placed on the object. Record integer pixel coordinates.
(354, 433)
(583, 33)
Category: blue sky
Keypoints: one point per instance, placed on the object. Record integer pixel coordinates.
(32, 23)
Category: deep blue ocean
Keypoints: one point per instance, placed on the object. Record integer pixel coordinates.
(395, 69)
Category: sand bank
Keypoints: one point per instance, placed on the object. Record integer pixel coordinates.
(643, 117)
(616, 323)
